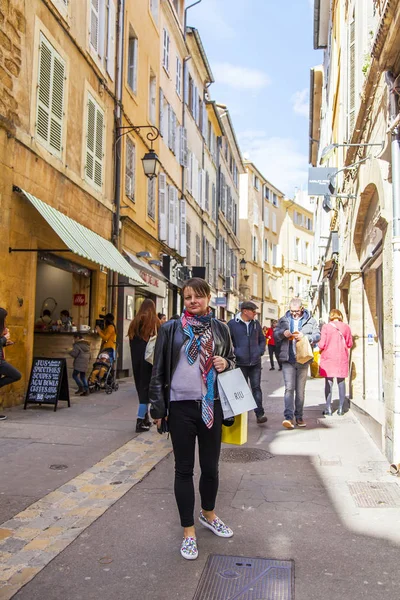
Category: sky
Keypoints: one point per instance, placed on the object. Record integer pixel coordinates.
(261, 52)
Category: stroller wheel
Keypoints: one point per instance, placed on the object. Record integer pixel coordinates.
(108, 389)
(116, 387)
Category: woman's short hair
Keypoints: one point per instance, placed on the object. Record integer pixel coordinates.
(335, 314)
(198, 285)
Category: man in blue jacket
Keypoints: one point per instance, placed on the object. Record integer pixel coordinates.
(249, 346)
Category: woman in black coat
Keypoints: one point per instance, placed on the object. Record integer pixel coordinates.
(143, 327)
(8, 373)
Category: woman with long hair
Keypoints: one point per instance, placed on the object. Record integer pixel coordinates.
(108, 335)
(142, 328)
(8, 373)
(335, 343)
(189, 353)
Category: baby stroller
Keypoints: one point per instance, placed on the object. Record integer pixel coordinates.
(102, 376)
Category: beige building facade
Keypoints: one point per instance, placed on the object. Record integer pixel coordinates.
(357, 258)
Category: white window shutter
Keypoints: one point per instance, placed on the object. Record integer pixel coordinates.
(94, 24)
(195, 178)
(50, 97)
(195, 103)
(203, 189)
(176, 219)
(162, 207)
(171, 217)
(214, 202)
(178, 136)
(189, 170)
(110, 63)
(186, 81)
(183, 147)
(182, 249)
(130, 160)
(161, 113)
(205, 121)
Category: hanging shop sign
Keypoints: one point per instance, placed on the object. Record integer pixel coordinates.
(320, 179)
(48, 382)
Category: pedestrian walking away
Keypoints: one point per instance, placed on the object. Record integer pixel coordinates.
(335, 343)
(273, 348)
(290, 329)
(249, 346)
(8, 373)
(189, 353)
(145, 325)
(81, 355)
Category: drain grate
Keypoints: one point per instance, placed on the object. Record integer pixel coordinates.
(244, 455)
(373, 494)
(244, 578)
(58, 467)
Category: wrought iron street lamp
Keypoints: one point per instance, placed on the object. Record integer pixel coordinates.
(150, 161)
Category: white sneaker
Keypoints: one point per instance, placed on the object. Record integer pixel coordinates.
(189, 548)
(217, 526)
(288, 424)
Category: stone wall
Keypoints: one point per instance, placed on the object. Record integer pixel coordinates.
(12, 34)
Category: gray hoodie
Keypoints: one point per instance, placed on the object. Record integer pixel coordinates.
(81, 354)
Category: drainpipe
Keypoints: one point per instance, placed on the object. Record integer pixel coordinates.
(185, 18)
(393, 113)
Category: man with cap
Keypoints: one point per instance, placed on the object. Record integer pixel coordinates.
(249, 346)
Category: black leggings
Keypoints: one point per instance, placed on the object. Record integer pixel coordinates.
(273, 350)
(8, 374)
(185, 424)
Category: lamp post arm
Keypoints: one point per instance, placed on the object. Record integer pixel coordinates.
(152, 135)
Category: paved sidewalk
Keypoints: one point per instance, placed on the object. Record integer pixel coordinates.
(303, 503)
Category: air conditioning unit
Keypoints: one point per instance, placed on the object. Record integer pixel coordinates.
(228, 284)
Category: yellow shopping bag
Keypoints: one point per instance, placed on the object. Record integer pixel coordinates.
(315, 363)
(237, 434)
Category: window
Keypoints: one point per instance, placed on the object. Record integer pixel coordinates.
(266, 215)
(275, 200)
(94, 143)
(198, 250)
(274, 255)
(132, 61)
(152, 98)
(254, 248)
(95, 21)
(151, 198)
(266, 253)
(297, 249)
(256, 182)
(130, 160)
(188, 240)
(50, 98)
(178, 83)
(166, 43)
(213, 202)
(351, 76)
(207, 192)
(266, 193)
(154, 9)
(307, 254)
(309, 224)
(102, 32)
(274, 223)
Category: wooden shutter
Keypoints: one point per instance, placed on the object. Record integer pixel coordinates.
(94, 143)
(202, 190)
(166, 50)
(50, 97)
(214, 202)
(205, 121)
(162, 207)
(352, 75)
(183, 147)
(207, 192)
(110, 61)
(161, 114)
(94, 24)
(186, 82)
(171, 216)
(176, 219)
(183, 248)
(130, 159)
(151, 198)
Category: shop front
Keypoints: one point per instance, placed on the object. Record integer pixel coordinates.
(130, 298)
(70, 281)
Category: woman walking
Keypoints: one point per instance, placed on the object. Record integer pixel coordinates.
(8, 373)
(335, 342)
(108, 336)
(189, 353)
(144, 325)
(272, 346)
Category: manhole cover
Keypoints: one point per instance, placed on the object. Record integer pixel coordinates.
(244, 455)
(228, 577)
(375, 495)
(58, 467)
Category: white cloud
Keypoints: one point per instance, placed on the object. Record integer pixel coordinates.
(300, 101)
(243, 78)
(278, 159)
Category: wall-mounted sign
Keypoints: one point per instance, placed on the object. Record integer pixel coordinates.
(79, 299)
(319, 180)
(149, 278)
(221, 301)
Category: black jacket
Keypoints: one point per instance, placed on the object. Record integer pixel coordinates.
(3, 343)
(170, 340)
(248, 343)
(309, 328)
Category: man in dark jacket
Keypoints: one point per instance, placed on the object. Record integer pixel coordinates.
(296, 323)
(249, 346)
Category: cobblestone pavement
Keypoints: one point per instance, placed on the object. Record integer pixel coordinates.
(31, 539)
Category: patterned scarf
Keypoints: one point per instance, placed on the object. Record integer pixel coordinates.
(203, 345)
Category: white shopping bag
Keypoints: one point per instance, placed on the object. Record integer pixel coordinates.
(235, 395)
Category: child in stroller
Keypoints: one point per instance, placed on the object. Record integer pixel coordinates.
(102, 375)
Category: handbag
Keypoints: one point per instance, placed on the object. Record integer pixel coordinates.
(150, 347)
(304, 351)
(237, 433)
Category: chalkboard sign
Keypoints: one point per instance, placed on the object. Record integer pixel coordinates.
(48, 382)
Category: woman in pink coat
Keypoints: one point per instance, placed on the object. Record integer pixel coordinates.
(334, 345)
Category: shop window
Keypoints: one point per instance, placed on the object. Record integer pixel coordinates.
(94, 143)
(50, 98)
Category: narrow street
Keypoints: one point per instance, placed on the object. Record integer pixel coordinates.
(301, 502)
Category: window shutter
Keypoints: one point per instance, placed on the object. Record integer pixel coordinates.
(352, 75)
(170, 113)
(94, 24)
(207, 192)
(214, 202)
(266, 216)
(274, 222)
(182, 249)
(176, 219)
(161, 113)
(205, 121)
(188, 242)
(186, 81)
(162, 207)
(195, 179)
(166, 50)
(94, 143)
(189, 170)
(110, 62)
(183, 147)
(130, 159)
(50, 97)
(203, 183)
(171, 217)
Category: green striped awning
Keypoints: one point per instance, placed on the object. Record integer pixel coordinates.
(84, 241)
